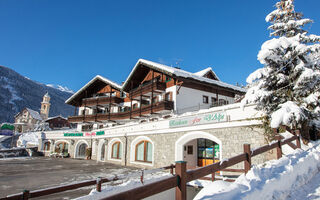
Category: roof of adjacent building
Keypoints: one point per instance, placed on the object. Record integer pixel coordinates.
(34, 114)
(98, 77)
(171, 71)
(179, 73)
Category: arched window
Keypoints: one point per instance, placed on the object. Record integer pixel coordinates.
(46, 146)
(116, 150)
(144, 151)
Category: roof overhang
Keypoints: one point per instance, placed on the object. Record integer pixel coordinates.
(74, 99)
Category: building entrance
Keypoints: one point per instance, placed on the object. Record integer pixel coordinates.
(208, 152)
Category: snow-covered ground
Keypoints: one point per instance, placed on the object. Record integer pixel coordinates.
(294, 176)
(130, 182)
(28, 139)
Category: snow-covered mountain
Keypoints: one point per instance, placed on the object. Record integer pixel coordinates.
(61, 88)
(17, 92)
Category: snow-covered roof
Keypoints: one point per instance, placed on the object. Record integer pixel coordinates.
(98, 77)
(56, 117)
(179, 73)
(34, 114)
(205, 71)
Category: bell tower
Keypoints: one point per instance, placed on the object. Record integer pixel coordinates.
(45, 106)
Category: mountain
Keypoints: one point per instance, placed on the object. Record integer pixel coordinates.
(18, 92)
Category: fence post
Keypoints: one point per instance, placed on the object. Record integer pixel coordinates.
(141, 177)
(279, 150)
(25, 194)
(247, 162)
(298, 143)
(99, 182)
(181, 189)
(171, 169)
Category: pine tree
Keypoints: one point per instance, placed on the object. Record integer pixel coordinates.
(287, 88)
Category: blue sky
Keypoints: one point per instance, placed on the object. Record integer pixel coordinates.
(69, 42)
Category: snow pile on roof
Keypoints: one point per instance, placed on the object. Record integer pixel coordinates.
(34, 114)
(276, 179)
(28, 139)
(205, 71)
(289, 113)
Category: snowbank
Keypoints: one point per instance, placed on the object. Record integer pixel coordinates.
(276, 179)
(28, 139)
(126, 185)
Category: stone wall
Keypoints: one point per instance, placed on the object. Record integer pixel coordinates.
(231, 142)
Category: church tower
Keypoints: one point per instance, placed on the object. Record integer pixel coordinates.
(45, 106)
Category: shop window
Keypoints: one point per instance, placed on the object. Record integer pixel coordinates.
(144, 151)
(205, 99)
(116, 150)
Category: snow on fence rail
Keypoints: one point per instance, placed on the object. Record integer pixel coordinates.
(178, 180)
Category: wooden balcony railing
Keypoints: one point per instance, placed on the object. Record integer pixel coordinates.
(137, 112)
(101, 101)
(154, 85)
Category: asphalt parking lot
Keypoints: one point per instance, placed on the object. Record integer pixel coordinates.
(34, 173)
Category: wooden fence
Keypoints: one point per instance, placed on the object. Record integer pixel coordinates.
(26, 194)
(182, 176)
(178, 180)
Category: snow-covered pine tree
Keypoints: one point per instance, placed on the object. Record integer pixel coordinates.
(287, 88)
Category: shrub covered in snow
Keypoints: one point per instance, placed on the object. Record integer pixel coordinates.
(287, 88)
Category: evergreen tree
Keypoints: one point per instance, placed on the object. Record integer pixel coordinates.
(287, 88)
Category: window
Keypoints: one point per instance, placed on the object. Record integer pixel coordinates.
(134, 106)
(154, 100)
(116, 150)
(168, 79)
(144, 151)
(223, 102)
(123, 95)
(190, 149)
(168, 96)
(205, 99)
(46, 146)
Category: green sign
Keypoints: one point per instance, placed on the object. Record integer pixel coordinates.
(208, 118)
(72, 134)
(7, 127)
(100, 133)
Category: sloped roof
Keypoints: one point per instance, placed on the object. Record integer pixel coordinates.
(205, 71)
(98, 77)
(34, 114)
(179, 73)
(58, 116)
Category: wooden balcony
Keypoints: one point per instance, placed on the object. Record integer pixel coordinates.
(158, 107)
(156, 86)
(103, 100)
